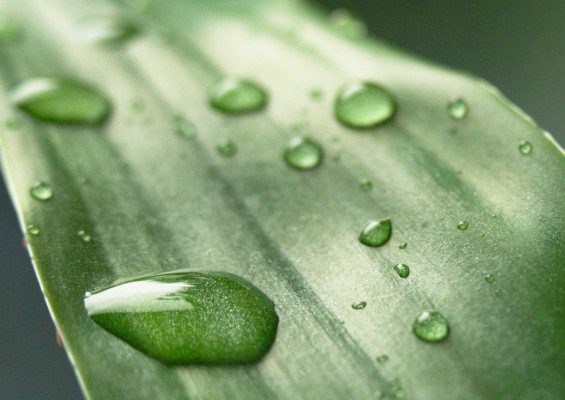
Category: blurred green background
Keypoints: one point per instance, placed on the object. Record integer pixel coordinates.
(517, 45)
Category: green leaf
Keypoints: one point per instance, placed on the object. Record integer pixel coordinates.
(132, 197)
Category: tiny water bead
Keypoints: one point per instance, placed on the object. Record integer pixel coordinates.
(457, 108)
(226, 148)
(364, 105)
(359, 305)
(108, 30)
(431, 326)
(402, 270)
(376, 233)
(303, 153)
(236, 96)
(41, 191)
(525, 147)
(489, 278)
(184, 127)
(463, 225)
(402, 246)
(348, 24)
(61, 101)
(33, 230)
(84, 236)
(366, 185)
(382, 359)
(188, 317)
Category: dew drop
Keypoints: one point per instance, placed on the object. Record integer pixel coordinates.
(303, 153)
(525, 147)
(188, 317)
(84, 236)
(431, 326)
(376, 233)
(41, 191)
(61, 101)
(402, 270)
(463, 225)
(226, 148)
(108, 30)
(236, 95)
(457, 108)
(396, 389)
(364, 105)
(33, 230)
(489, 278)
(359, 305)
(402, 246)
(348, 24)
(366, 185)
(185, 128)
(382, 359)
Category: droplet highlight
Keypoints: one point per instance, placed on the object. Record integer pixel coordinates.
(41, 191)
(303, 153)
(359, 305)
(188, 317)
(457, 108)
(431, 326)
(402, 270)
(237, 96)
(364, 105)
(525, 147)
(376, 233)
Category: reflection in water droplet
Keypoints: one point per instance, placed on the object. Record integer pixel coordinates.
(463, 225)
(457, 108)
(359, 305)
(402, 270)
(41, 191)
(303, 153)
(347, 24)
(525, 147)
(431, 326)
(33, 230)
(188, 317)
(364, 105)
(376, 233)
(226, 148)
(235, 96)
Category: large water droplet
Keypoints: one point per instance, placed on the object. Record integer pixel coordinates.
(364, 105)
(457, 108)
(188, 317)
(431, 326)
(235, 96)
(226, 148)
(41, 191)
(108, 30)
(61, 101)
(402, 270)
(376, 233)
(303, 153)
(348, 24)
(359, 305)
(33, 230)
(525, 147)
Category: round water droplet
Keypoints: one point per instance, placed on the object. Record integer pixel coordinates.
(489, 278)
(303, 153)
(431, 326)
(185, 128)
(463, 225)
(108, 30)
(498, 293)
(226, 148)
(188, 317)
(376, 233)
(41, 191)
(525, 147)
(235, 95)
(402, 246)
(366, 185)
(348, 24)
(457, 108)
(382, 359)
(402, 270)
(359, 305)
(33, 230)
(10, 31)
(61, 101)
(84, 236)
(364, 105)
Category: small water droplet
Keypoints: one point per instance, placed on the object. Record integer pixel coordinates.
(185, 128)
(60, 101)
(33, 230)
(348, 24)
(382, 359)
(303, 153)
(457, 108)
(226, 148)
(364, 105)
(84, 236)
(359, 305)
(235, 96)
(316, 94)
(402, 270)
(525, 147)
(489, 278)
(396, 389)
(188, 317)
(41, 191)
(376, 233)
(463, 225)
(366, 185)
(108, 30)
(10, 30)
(431, 326)
(498, 293)
(402, 246)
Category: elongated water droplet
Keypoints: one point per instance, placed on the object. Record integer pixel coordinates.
(226, 148)
(84, 236)
(525, 147)
(364, 105)
(61, 101)
(10, 30)
(348, 24)
(235, 96)
(489, 278)
(108, 30)
(359, 305)
(41, 191)
(366, 185)
(188, 317)
(303, 153)
(33, 230)
(457, 108)
(431, 326)
(463, 225)
(382, 359)
(402, 270)
(402, 246)
(376, 233)
(185, 128)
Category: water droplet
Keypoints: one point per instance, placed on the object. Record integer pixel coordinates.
(525, 147)
(396, 389)
(61, 101)
(359, 305)
(463, 225)
(188, 317)
(41, 191)
(10, 31)
(185, 128)
(402, 246)
(316, 94)
(457, 108)
(235, 96)
(33, 230)
(431, 326)
(108, 30)
(489, 278)
(348, 24)
(382, 359)
(226, 148)
(303, 153)
(364, 105)
(84, 236)
(376, 233)
(402, 270)
(366, 185)
(498, 293)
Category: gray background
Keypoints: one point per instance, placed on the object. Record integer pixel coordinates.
(518, 45)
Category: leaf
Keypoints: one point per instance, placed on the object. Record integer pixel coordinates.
(151, 200)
